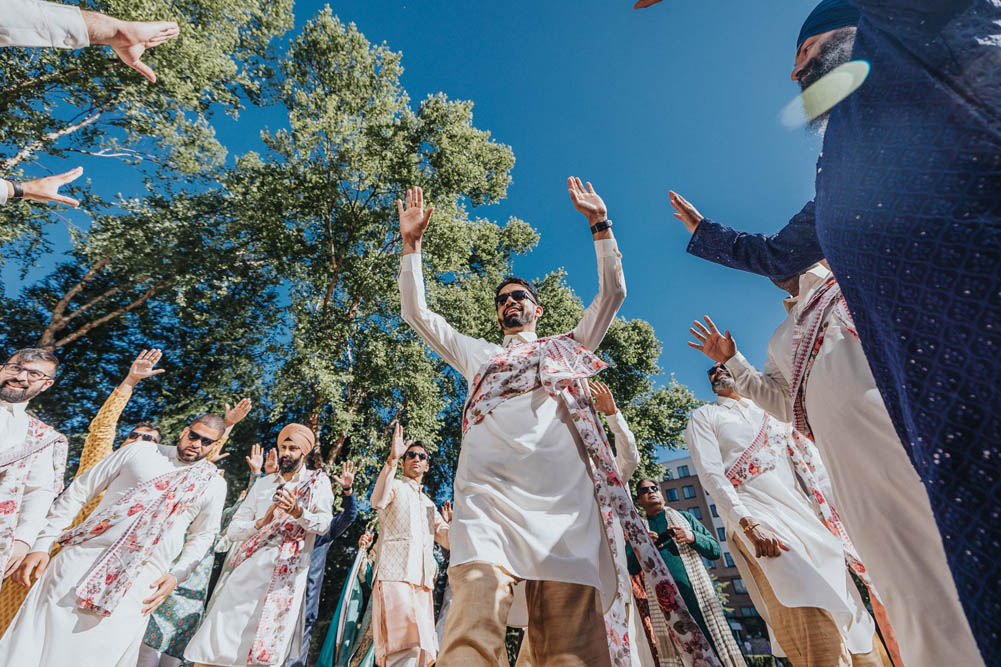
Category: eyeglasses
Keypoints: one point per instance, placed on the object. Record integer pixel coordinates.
(517, 295)
(139, 435)
(643, 490)
(33, 375)
(420, 456)
(206, 441)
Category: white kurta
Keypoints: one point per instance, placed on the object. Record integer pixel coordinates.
(877, 492)
(813, 572)
(524, 499)
(36, 23)
(50, 629)
(227, 632)
(39, 488)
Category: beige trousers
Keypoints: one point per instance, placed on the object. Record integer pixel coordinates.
(808, 635)
(566, 627)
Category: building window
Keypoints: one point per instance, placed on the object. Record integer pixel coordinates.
(672, 494)
(712, 510)
(721, 532)
(728, 558)
(683, 471)
(748, 611)
(688, 491)
(669, 474)
(708, 563)
(739, 586)
(696, 512)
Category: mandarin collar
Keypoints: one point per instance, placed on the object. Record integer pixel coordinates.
(15, 409)
(808, 281)
(520, 337)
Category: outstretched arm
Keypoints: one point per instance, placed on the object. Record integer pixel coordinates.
(450, 345)
(611, 282)
(40, 189)
(385, 486)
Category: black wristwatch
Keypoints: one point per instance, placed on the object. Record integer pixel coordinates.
(601, 226)
(18, 190)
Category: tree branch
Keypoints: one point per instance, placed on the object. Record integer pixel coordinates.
(110, 316)
(57, 321)
(30, 149)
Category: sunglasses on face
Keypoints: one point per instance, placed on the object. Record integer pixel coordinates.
(137, 435)
(517, 295)
(206, 441)
(643, 490)
(33, 375)
(420, 456)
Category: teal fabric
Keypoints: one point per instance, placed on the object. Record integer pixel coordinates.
(354, 608)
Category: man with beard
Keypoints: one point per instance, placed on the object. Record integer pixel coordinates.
(409, 524)
(530, 546)
(159, 513)
(816, 376)
(908, 213)
(257, 606)
(32, 455)
(756, 469)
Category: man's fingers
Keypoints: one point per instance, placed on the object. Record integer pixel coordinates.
(221, 456)
(712, 325)
(427, 217)
(700, 335)
(399, 207)
(63, 199)
(698, 347)
(69, 176)
(158, 371)
(143, 69)
(589, 188)
(785, 547)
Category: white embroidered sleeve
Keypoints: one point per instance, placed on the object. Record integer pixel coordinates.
(243, 525)
(611, 293)
(317, 519)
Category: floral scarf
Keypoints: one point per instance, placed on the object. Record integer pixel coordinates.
(278, 619)
(15, 464)
(153, 507)
(811, 325)
(560, 365)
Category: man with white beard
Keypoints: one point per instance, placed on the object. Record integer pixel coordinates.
(769, 489)
(816, 376)
(159, 513)
(32, 455)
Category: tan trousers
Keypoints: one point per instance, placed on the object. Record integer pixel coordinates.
(808, 635)
(565, 623)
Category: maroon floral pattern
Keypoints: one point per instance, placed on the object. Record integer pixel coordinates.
(161, 500)
(277, 618)
(559, 364)
(42, 440)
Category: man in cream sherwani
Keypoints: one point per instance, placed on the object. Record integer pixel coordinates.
(525, 514)
(794, 567)
(158, 516)
(255, 614)
(817, 376)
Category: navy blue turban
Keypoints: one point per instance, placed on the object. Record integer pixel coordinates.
(828, 15)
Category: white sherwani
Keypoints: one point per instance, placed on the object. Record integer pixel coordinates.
(50, 629)
(39, 488)
(35, 23)
(627, 458)
(877, 492)
(813, 572)
(227, 632)
(524, 499)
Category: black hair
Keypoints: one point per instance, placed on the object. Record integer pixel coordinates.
(640, 483)
(418, 443)
(515, 280)
(35, 354)
(713, 368)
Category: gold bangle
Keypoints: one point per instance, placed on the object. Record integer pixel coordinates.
(751, 526)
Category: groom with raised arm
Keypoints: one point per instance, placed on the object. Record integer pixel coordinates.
(525, 507)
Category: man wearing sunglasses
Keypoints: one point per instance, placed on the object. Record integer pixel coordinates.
(403, 621)
(770, 488)
(159, 511)
(32, 455)
(521, 470)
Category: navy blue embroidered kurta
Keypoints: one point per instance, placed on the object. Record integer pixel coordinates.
(908, 213)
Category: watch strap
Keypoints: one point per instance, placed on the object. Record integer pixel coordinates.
(18, 190)
(601, 226)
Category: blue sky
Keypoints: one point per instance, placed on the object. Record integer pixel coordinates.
(684, 95)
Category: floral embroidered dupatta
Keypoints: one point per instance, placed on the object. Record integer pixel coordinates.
(560, 365)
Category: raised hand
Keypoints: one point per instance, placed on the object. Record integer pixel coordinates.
(399, 447)
(163, 586)
(271, 462)
(216, 454)
(586, 200)
(446, 511)
(347, 476)
(47, 189)
(687, 213)
(235, 415)
(365, 541)
(129, 39)
(413, 219)
(143, 366)
(256, 459)
(603, 399)
(718, 347)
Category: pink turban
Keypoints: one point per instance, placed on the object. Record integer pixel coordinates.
(300, 435)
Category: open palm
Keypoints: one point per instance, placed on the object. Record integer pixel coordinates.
(586, 200)
(718, 347)
(413, 218)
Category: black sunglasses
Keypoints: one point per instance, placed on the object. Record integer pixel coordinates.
(137, 435)
(643, 490)
(517, 295)
(206, 441)
(420, 456)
